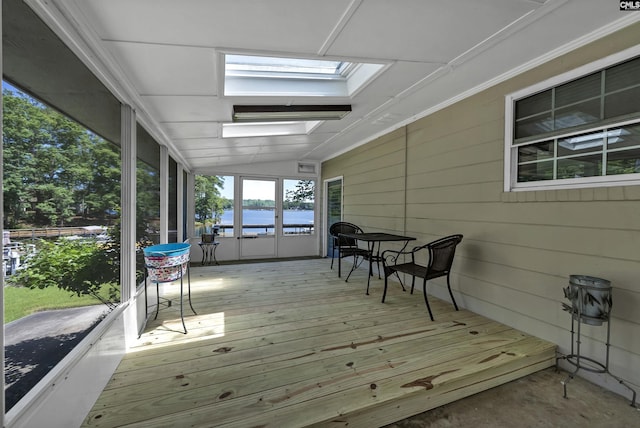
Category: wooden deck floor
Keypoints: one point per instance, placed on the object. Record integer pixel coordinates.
(288, 344)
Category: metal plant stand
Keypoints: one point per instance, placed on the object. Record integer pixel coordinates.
(167, 263)
(209, 252)
(591, 304)
(209, 245)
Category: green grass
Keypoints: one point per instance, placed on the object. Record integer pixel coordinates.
(20, 302)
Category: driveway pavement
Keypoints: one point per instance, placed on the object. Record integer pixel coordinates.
(36, 343)
(52, 323)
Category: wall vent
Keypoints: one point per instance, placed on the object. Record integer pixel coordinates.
(306, 168)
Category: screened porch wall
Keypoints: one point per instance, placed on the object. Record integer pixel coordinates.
(519, 248)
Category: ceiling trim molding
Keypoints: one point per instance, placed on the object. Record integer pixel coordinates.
(335, 32)
(524, 21)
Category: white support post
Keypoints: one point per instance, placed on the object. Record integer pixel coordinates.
(180, 202)
(191, 205)
(128, 202)
(164, 194)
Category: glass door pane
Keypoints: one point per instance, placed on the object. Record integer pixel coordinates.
(334, 209)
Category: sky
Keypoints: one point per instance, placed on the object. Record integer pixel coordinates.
(8, 86)
(259, 189)
(255, 189)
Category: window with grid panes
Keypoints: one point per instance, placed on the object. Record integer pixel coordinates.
(580, 132)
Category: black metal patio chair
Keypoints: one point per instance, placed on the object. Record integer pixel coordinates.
(440, 259)
(346, 247)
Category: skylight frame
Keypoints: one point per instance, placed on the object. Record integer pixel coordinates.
(347, 79)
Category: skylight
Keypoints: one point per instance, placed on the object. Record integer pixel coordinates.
(241, 65)
(253, 75)
(267, 129)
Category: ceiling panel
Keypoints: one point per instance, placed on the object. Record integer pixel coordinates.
(182, 130)
(254, 24)
(420, 30)
(204, 163)
(232, 143)
(189, 108)
(400, 76)
(167, 70)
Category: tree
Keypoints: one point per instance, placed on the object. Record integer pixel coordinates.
(147, 201)
(302, 196)
(209, 204)
(54, 168)
(303, 192)
(21, 132)
(99, 194)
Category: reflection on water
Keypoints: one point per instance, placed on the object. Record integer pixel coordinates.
(261, 222)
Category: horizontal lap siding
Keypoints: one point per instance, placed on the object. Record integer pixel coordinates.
(519, 248)
(373, 180)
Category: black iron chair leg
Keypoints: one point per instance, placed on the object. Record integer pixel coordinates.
(387, 273)
(333, 255)
(400, 281)
(384, 293)
(369, 277)
(355, 265)
(426, 300)
(451, 294)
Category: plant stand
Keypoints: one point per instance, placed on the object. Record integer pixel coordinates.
(167, 263)
(591, 304)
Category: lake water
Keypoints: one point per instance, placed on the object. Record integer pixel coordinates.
(302, 218)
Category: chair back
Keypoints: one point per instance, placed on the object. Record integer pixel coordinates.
(343, 227)
(441, 254)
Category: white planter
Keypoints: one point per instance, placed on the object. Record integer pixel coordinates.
(590, 298)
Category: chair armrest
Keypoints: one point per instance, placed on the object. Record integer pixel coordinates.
(393, 255)
(390, 257)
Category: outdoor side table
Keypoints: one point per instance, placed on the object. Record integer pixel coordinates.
(209, 252)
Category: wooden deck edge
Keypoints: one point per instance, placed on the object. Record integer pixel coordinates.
(391, 411)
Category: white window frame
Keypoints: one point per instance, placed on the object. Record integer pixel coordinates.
(510, 150)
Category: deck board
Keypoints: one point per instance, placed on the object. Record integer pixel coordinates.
(289, 344)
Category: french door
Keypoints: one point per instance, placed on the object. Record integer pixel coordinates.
(258, 217)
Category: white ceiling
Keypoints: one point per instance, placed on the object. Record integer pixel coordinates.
(166, 57)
